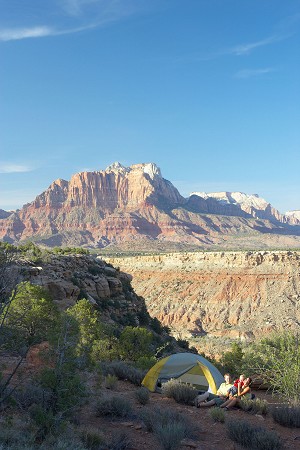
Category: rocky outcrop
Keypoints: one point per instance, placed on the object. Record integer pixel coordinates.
(69, 278)
(205, 296)
(135, 208)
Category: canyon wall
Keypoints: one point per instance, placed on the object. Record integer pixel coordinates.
(208, 297)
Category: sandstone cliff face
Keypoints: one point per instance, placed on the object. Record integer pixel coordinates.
(69, 278)
(219, 295)
(135, 207)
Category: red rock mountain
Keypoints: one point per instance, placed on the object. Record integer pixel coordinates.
(135, 208)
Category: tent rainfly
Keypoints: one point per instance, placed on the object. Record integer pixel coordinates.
(186, 367)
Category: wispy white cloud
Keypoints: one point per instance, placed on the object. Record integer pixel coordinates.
(12, 34)
(74, 16)
(14, 168)
(76, 7)
(245, 49)
(248, 73)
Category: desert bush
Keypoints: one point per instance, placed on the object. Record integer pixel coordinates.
(124, 372)
(110, 381)
(66, 440)
(256, 406)
(217, 414)
(135, 342)
(65, 387)
(170, 434)
(232, 361)
(30, 394)
(288, 416)
(92, 439)
(142, 395)
(43, 419)
(251, 437)
(167, 416)
(113, 406)
(277, 359)
(145, 362)
(15, 435)
(119, 442)
(181, 392)
(31, 315)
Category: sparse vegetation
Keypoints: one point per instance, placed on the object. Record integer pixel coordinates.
(256, 406)
(169, 426)
(142, 395)
(91, 438)
(181, 392)
(277, 359)
(110, 381)
(287, 416)
(217, 414)
(170, 434)
(252, 437)
(113, 406)
(124, 371)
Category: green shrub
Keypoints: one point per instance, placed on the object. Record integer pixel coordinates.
(110, 381)
(65, 387)
(164, 416)
(91, 438)
(142, 395)
(181, 392)
(145, 362)
(43, 419)
(170, 434)
(232, 361)
(31, 394)
(14, 435)
(256, 406)
(277, 359)
(287, 416)
(252, 437)
(217, 414)
(66, 440)
(124, 372)
(113, 406)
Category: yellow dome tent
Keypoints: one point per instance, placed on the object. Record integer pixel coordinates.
(186, 367)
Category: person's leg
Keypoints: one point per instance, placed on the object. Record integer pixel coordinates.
(201, 398)
(205, 404)
(226, 403)
(231, 403)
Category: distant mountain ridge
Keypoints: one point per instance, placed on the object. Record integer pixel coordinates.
(136, 208)
(252, 205)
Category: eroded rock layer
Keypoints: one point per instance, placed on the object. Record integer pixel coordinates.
(223, 294)
(134, 208)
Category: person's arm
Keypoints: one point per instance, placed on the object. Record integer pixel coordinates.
(243, 391)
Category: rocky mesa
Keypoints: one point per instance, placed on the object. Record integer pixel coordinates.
(136, 209)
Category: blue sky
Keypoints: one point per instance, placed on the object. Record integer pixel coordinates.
(209, 90)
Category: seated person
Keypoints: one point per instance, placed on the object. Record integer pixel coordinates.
(208, 399)
(243, 392)
(234, 389)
